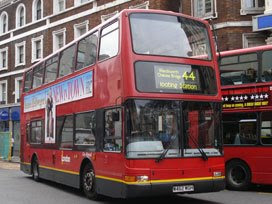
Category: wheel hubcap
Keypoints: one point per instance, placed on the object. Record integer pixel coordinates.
(238, 175)
(88, 180)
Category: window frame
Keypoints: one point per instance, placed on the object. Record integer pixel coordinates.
(78, 26)
(144, 5)
(257, 137)
(73, 58)
(3, 14)
(77, 50)
(34, 48)
(108, 16)
(30, 132)
(245, 10)
(18, 17)
(247, 37)
(121, 115)
(204, 15)
(5, 91)
(55, 38)
(17, 89)
(59, 136)
(17, 53)
(101, 35)
(56, 7)
(79, 3)
(2, 67)
(35, 10)
(45, 66)
(85, 146)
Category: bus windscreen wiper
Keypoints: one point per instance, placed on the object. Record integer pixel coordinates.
(163, 154)
(203, 154)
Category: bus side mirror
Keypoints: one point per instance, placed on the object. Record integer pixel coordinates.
(115, 116)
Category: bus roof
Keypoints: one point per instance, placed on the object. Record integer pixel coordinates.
(128, 11)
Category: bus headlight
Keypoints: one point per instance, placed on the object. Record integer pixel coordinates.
(217, 174)
(141, 178)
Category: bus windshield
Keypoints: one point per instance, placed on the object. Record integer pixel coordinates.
(165, 35)
(182, 127)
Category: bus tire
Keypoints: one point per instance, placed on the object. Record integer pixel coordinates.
(35, 170)
(88, 182)
(238, 175)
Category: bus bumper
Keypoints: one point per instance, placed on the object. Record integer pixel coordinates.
(167, 189)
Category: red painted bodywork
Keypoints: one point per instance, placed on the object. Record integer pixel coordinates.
(114, 82)
(258, 158)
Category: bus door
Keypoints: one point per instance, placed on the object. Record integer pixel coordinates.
(109, 160)
(64, 159)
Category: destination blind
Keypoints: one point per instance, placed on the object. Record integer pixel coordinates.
(174, 78)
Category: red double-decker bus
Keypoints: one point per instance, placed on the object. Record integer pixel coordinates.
(132, 108)
(246, 77)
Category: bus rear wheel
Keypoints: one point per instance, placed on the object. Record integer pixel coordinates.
(35, 170)
(88, 182)
(238, 175)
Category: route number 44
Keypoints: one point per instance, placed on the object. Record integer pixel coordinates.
(187, 76)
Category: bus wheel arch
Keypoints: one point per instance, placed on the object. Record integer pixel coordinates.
(238, 175)
(35, 167)
(87, 180)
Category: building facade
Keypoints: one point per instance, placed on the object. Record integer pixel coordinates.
(32, 29)
(232, 20)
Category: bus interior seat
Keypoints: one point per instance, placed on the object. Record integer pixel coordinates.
(226, 81)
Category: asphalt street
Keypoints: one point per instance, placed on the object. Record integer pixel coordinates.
(19, 188)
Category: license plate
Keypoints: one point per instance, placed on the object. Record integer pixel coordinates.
(185, 188)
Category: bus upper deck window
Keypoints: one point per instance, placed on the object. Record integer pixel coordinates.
(87, 50)
(28, 81)
(109, 42)
(51, 67)
(67, 61)
(38, 72)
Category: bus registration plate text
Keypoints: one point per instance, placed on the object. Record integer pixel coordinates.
(185, 188)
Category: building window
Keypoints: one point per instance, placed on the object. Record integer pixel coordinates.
(4, 58)
(37, 10)
(20, 54)
(108, 16)
(144, 5)
(59, 38)
(79, 2)
(3, 92)
(252, 6)
(59, 6)
(3, 22)
(80, 29)
(253, 40)
(37, 48)
(20, 16)
(18, 88)
(204, 8)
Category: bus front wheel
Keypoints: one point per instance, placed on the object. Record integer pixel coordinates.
(35, 170)
(238, 175)
(88, 182)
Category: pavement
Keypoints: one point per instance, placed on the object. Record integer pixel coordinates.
(9, 165)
